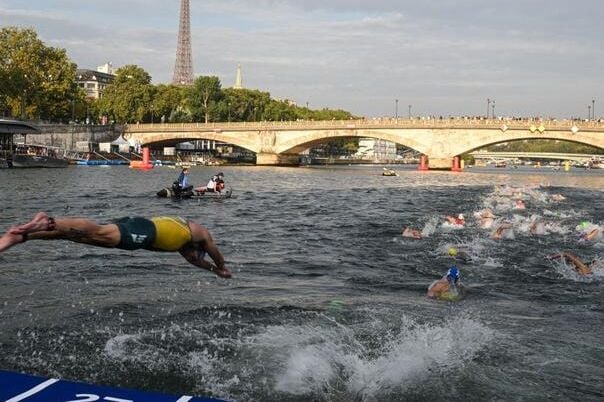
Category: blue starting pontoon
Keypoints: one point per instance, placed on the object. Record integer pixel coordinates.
(15, 387)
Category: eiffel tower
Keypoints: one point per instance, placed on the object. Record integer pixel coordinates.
(183, 67)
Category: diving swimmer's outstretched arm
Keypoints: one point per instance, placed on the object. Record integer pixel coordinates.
(202, 241)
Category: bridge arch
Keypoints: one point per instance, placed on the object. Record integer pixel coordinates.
(498, 138)
(298, 143)
(177, 137)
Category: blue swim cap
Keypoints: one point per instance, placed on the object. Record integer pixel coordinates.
(453, 272)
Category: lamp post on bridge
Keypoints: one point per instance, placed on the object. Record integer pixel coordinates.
(396, 109)
(409, 112)
(593, 109)
(488, 107)
(493, 106)
(588, 112)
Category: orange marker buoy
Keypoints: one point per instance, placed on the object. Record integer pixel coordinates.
(145, 163)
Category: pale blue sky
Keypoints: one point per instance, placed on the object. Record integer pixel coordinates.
(534, 57)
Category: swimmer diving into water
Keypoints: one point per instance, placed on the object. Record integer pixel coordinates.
(163, 233)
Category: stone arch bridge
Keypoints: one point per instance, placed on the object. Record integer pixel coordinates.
(441, 140)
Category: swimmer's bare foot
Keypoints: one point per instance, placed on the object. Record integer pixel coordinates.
(39, 223)
(10, 239)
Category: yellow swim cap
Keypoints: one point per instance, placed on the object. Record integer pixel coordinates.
(452, 251)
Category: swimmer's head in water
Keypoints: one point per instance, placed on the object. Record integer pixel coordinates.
(584, 224)
(460, 216)
(452, 251)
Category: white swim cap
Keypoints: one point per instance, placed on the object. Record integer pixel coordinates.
(460, 216)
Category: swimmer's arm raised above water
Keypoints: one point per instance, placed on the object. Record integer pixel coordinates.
(580, 266)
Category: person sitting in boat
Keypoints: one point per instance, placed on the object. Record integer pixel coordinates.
(459, 220)
(216, 184)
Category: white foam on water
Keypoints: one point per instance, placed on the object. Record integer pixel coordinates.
(556, 228)
(451, 226)
(597, 267)
(492, 262)
(430, 227)
(119, 347)
(318, 360)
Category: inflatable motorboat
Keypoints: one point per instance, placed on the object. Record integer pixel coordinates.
(176, 193)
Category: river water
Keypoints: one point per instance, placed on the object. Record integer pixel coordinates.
(327, 302)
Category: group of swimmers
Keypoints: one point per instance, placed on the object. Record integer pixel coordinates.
(508, 200)
(193, 241)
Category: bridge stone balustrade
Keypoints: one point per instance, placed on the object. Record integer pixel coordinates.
(280, 143)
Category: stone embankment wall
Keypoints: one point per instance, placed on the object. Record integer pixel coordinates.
(67, 135)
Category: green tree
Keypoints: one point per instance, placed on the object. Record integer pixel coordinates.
(328, 114)
(204, 96)
(129, 98)
(279, 111)
(245, 104)
(36, 81)
(168, 99)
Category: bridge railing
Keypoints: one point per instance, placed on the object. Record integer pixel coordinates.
(520, 154)
(499, 124)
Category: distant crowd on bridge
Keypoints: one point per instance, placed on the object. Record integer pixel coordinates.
(514, 121)
(482, 118)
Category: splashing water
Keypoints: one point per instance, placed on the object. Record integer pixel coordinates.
(320, 360)
(430, 227)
